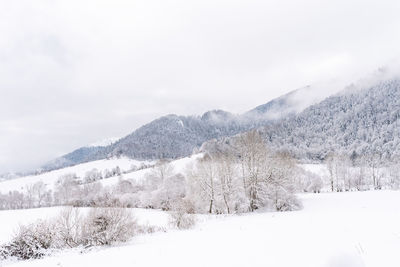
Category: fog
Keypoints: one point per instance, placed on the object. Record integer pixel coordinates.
(76, 72)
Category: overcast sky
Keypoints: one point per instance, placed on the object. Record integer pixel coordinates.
(75, 72)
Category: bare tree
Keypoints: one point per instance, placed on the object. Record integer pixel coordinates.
(338, 166)
(373, 161)
(202, 178)
(40, 193)
(67, 188)
(254, 161)
(158, 174)
(227, 180)
(394, 176)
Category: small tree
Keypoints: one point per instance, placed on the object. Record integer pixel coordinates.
(67, 188)
(93, 176)
(202, 178)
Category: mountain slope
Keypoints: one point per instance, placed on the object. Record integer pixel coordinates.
(174, 136)
(288, 104)
(80, 155)
(363, 121)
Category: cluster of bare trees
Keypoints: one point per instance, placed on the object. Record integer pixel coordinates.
(35, 195)
(69, 188)
(245, 178)
(366, 172)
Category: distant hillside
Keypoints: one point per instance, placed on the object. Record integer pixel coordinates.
(174, 136)
(81, 155)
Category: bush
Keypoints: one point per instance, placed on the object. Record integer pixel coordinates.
(180, 217)
(182, 220)
(284, 201)
(102, 226)
(69, 225)
(30, 242)
(105, 226)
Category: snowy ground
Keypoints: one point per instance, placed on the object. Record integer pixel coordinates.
(49, 178)
(125, 164)
(333, 230)
(178, 166)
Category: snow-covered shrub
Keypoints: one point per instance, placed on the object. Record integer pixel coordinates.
(107, 198)
(101, 226)
(130, 200)
(69, 226)
(92, 176)
(180, 218)
(284, 201)
(105, 226)
(172, 189)
(30, 242)
(306, 181)
(315, 184)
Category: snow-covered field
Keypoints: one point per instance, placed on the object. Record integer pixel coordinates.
(49, 178)
(333, 230)
(178, 166)
(125, 164)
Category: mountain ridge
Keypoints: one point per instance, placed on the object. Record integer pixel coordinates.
(174, 136)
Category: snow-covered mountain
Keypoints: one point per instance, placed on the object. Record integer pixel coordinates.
(288, 104)
(104, 142)
(84, 154)
(362, 118)
(174, 136)
(358, 121)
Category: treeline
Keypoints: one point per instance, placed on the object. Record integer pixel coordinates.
(361, 172)
(247, 178)
(242, 177)
(66, 187)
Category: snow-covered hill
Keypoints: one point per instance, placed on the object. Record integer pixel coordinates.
(50, 178)
(129, 168)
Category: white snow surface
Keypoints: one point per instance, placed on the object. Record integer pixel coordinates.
(49, 178)
(351, 229)
(125, 164)
(105, 142)
(178, 166)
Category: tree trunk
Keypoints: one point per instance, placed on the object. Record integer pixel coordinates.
(211, 206)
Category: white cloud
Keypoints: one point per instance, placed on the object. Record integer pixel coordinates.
(74, 72)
